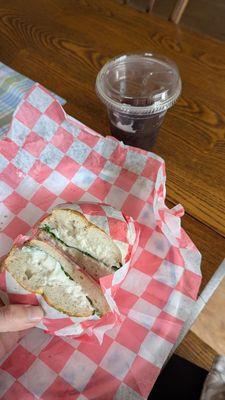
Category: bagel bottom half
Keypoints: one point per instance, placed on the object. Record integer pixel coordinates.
(42, 269)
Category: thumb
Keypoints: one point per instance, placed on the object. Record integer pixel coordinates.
(17, 317)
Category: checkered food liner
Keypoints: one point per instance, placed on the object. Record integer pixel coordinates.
(125, 232)
(49, 158)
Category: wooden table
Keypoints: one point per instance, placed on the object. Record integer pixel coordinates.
(63, 45)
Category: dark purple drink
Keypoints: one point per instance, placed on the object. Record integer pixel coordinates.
(138, 132)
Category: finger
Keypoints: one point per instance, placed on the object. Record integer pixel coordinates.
(17, 317)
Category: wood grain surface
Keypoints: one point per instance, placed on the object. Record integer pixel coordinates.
(210, 325)
(63, 45)
(195, 350)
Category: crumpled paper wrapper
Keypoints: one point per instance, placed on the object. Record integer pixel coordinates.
(49, 158)
(125, 233)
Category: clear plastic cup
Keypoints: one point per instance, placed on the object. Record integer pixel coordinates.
(138, 89)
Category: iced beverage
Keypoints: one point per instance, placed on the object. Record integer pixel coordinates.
(138, 89)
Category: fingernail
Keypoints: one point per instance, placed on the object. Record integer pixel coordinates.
(34, 314)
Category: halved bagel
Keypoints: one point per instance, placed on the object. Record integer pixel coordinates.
(40, 268)
(89, 246)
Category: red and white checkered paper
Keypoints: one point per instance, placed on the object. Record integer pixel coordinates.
(125, 233)
(48, 158)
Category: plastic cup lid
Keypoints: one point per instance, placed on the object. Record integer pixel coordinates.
(139, 84)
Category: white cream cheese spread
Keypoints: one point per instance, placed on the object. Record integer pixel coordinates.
(49, 272)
